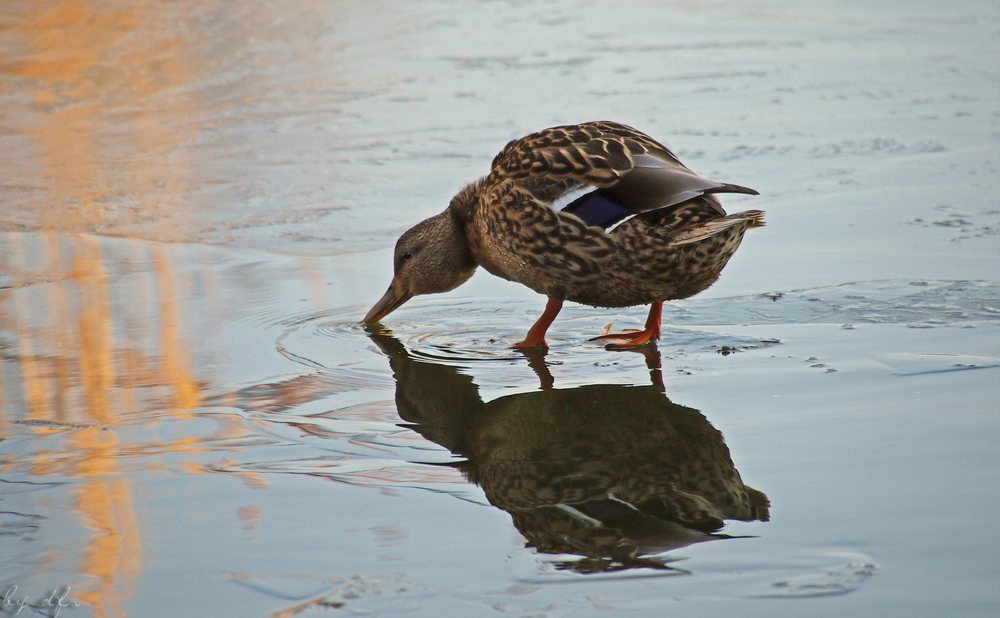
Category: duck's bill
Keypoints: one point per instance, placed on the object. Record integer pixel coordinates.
(386, 305)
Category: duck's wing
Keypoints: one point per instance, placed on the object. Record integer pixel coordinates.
(601, 172)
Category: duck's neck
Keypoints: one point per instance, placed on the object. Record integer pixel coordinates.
(463, 205)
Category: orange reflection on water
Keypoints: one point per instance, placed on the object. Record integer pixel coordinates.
(85, 366)
(96, 338)
(94, 70)
(105, 504)
(174, 363)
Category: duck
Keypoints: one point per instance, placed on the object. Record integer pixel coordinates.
(597, 213)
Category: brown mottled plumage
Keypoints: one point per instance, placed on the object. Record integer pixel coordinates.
(673, 242)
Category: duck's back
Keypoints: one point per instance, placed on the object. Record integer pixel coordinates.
(542, 218)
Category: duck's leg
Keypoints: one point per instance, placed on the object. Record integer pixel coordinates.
(536, 335)
(632, 337)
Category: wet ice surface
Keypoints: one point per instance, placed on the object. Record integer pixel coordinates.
(193, 422)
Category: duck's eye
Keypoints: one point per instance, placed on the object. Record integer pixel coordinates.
(407, 255)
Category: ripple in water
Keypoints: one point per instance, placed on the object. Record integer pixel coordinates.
(836, 574)
(480, 333)
(474, 332)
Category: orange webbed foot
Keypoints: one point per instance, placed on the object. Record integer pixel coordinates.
(632, 338)
(529, 344)
(629, 338)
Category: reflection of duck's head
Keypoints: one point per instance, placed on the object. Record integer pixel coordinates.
(609, 472)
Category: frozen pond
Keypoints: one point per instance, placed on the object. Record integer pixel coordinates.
(197, 205)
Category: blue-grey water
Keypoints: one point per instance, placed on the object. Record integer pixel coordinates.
(198, 202)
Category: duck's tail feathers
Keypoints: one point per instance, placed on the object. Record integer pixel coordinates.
(756, 217)
(698, 233)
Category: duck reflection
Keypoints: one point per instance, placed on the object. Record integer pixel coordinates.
(611, 473)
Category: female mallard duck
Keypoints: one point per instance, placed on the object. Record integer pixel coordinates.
(596, 213)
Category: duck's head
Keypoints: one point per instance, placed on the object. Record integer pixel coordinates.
(432, 256)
